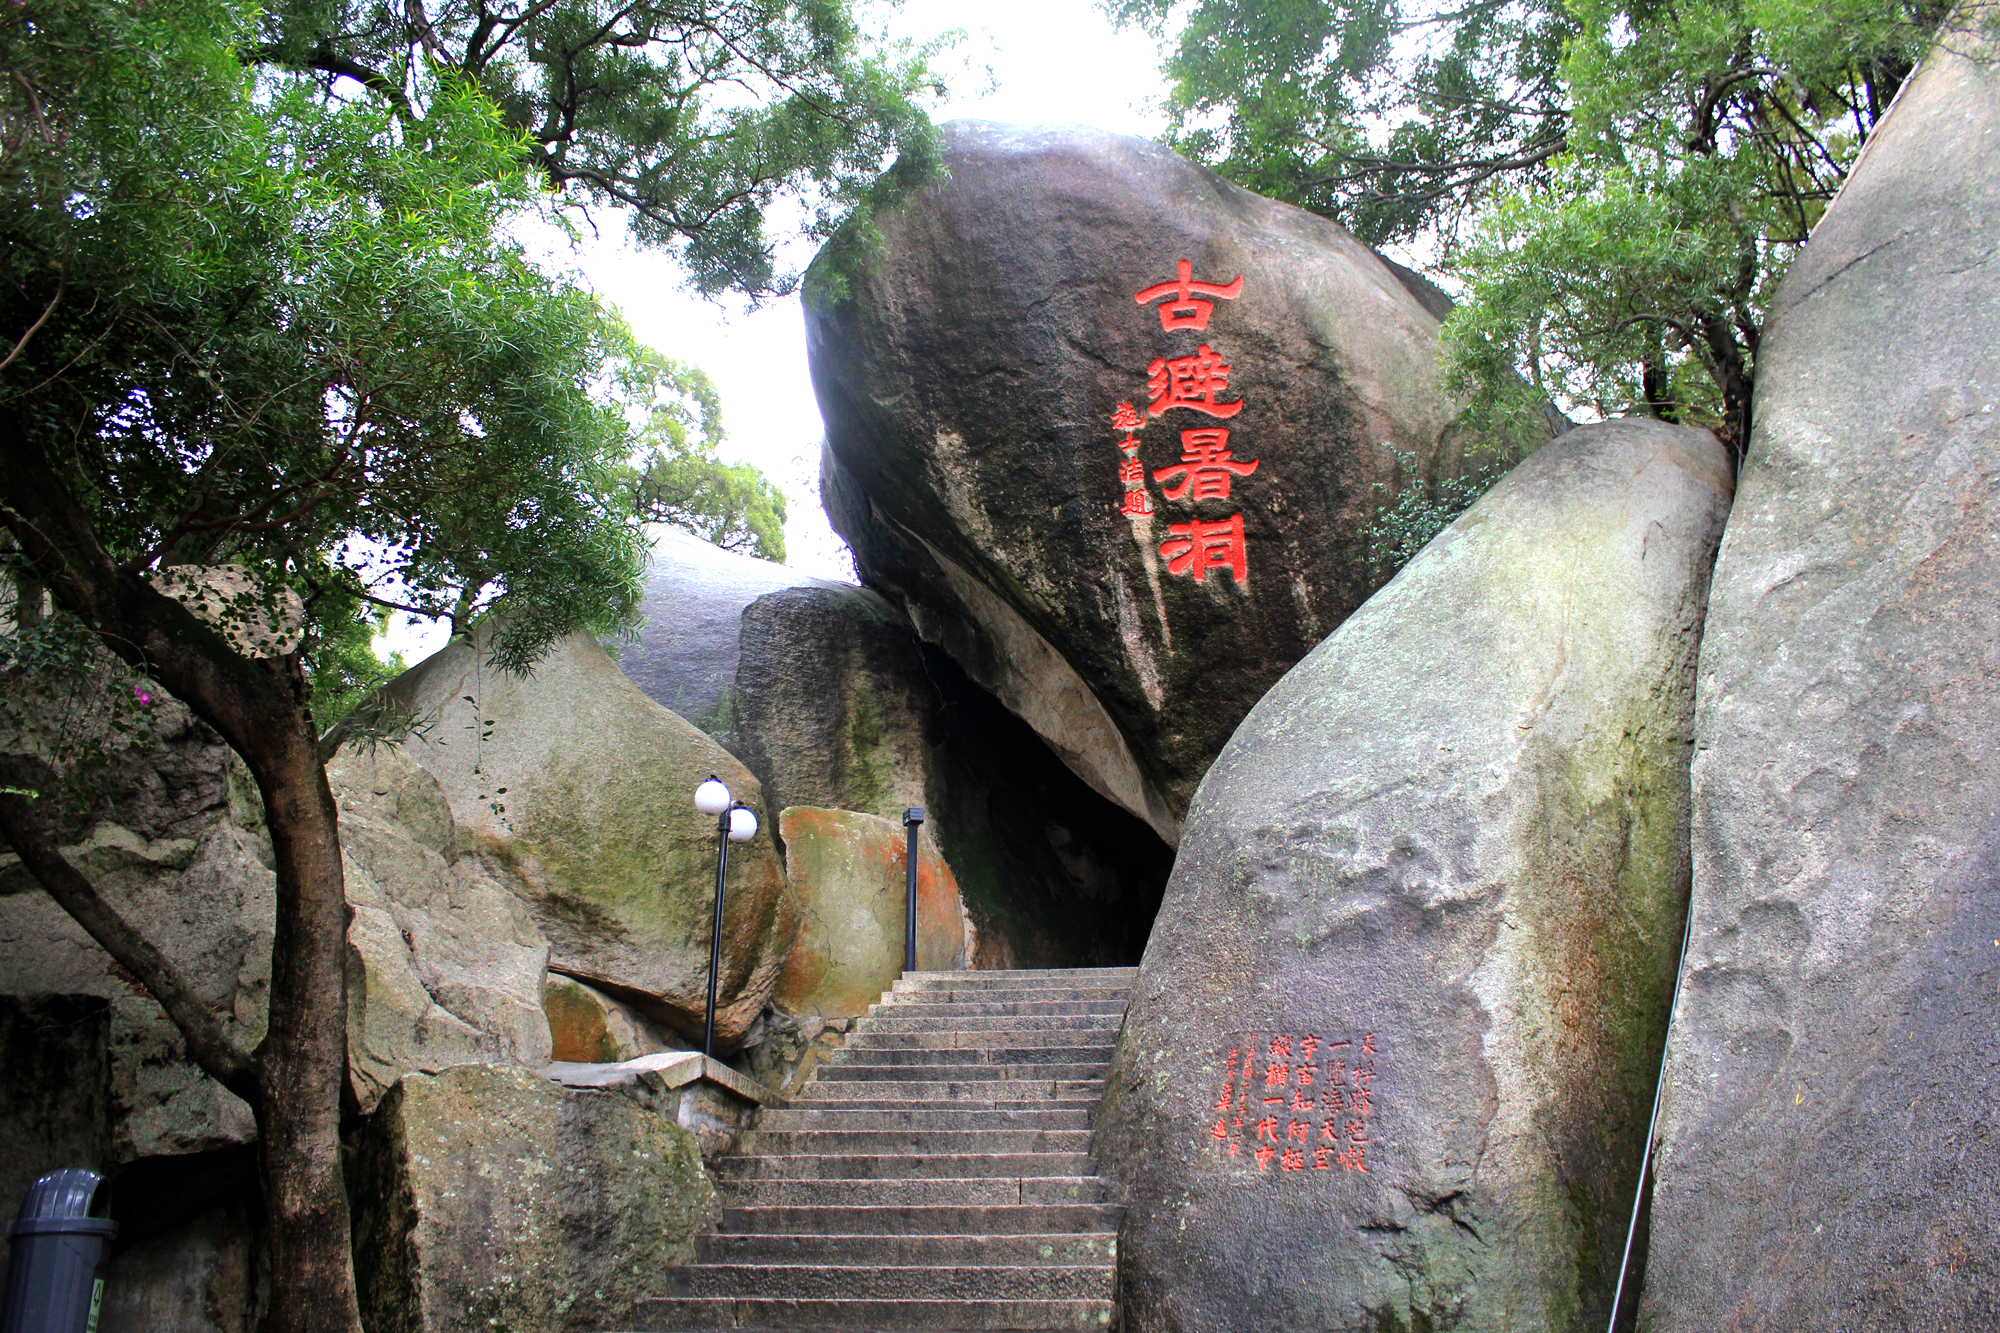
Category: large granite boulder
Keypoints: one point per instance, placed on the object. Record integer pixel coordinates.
(175, 841)
(686, 652)
(489, 1197)
(580, 790)
(1392, 1049)
(445, 962)
(970, 371)
(850, 874)
(1828, 1142)
(836, 702)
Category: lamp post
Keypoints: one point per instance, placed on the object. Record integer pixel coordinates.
(734, 823)
(912, 819)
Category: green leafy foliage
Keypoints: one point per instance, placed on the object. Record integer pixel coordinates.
(1412, 513)
(695, 117)
(681, 480)
(1617, 185)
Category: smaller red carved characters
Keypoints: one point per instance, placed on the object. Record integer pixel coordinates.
(1267, 1128)
(1205, 469)
(1293, 1160)
(1137, 502)
(1126, 417)
(1322, 1158)
(1133, 472)
(1264, 1156)
(1185, 312)
(1221, 1130)
(1277, 1075)
(1300, 1130)
(1190, 382)
(1281, 1048)
(1368, 1044)
(1301, 1102)
(1354, 1158)
(1197, 547)
(1328, 1134)
(1228, 1096)
(1307, 1048)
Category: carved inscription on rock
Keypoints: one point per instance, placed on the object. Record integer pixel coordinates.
(1294, 1102)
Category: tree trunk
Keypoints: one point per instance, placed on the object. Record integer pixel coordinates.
(302, 1061)
(260, 707)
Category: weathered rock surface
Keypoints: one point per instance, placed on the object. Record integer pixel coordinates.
(489, 1197)
(580, 788)
(1829, 1142)
(849, 872)
(969, 380)
(55, 1091)
(1442, 866)
(589, 1027)
(446, 965)
(686, 654)
(177, 845)
(836, 702)
(197, 1278)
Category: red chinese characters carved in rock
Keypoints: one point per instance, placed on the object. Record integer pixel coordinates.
(1206, 466)
(1341, 1073)
(1131, 472)
(1197, 547)
(1190, 382)
(1185, 312)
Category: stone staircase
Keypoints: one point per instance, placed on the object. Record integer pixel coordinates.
(936, 1174)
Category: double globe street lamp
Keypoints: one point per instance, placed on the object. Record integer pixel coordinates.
(734, 823)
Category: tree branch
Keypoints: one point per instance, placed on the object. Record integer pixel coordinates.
(62, 281)
(207, 1043)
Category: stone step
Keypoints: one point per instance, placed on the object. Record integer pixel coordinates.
(976, 1282)
(1106, 995)
(1039, 1116)
(860, 1052)
(922, 1007)
(827, 1092)
(884, 1018)
(862, 1098)
(1027, 976)
(672, 1315)
(947, 1142)
(983, 1039)
(903, 1166)
(921, 1219)
(933, 1191)
(849, 1071)
(1084, 1247)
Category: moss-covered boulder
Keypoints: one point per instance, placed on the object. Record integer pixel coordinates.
(490, 1198)
(588, 1027)
(581, 790)
(849, 872)
(1392, 1049)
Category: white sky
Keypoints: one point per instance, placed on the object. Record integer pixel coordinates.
(1023, 62)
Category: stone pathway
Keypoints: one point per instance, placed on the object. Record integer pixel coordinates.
(935, 1175)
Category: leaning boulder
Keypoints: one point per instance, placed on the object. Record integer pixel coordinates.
(849, 872)
(445, 964)
(1111, 429)
(491, 1198)
(1391, 1052)
(1828, 1145)
(579, 790)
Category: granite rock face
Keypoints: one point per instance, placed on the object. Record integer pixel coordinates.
(491, 1198)
(445, 963)
(1422, 930)
(580, 790)
(180, 850)
(686, 654)
(1829, 1141)
(849, 872)
(969, 379)
(589, 1027)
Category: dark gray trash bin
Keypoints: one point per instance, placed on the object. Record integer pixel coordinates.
(55, 1278)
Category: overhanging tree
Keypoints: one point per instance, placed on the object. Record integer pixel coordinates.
(1618, 185)
(244, 322)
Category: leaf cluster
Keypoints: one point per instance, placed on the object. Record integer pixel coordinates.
(697, 116)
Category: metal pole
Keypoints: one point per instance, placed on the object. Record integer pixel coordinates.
(912, 818)
(715, 934)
